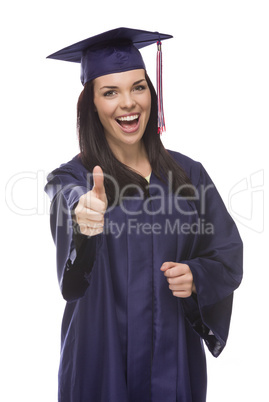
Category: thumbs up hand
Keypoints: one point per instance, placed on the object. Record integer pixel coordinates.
(90, 210)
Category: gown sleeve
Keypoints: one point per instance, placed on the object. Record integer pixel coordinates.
(72, 248)
(216, 264)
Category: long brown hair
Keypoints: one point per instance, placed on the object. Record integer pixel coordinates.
(95, 150)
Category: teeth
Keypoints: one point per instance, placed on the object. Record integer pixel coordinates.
(128, 118)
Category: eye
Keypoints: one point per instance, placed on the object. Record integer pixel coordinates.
(112, 92)
(139, 88)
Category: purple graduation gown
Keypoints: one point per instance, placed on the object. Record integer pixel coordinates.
(125, 337)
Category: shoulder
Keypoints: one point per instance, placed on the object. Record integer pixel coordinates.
(185, 161)
(74, 166)
(66, 176)
(192, 167)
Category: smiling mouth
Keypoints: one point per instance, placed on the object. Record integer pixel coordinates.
(129, 123)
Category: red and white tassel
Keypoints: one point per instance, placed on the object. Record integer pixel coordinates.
(161, 121)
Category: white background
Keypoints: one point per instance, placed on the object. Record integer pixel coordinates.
(216, 98)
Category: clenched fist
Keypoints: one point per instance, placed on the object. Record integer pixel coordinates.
(180, 279)
(90, 210)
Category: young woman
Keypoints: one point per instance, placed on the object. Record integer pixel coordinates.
(147, 254)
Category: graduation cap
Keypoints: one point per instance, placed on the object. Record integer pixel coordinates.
(115, 51)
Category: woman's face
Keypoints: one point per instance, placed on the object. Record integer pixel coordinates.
(123, 104)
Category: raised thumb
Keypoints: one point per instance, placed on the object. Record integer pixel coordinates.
(98, 182)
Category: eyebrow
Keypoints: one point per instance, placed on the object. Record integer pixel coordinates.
(115, 87)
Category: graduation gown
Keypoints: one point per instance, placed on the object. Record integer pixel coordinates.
(125, 337)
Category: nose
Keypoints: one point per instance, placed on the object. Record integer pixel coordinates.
(127, 101)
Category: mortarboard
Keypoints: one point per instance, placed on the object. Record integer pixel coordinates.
(115, 51)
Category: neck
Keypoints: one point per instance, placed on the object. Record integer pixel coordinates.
(135, 157)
